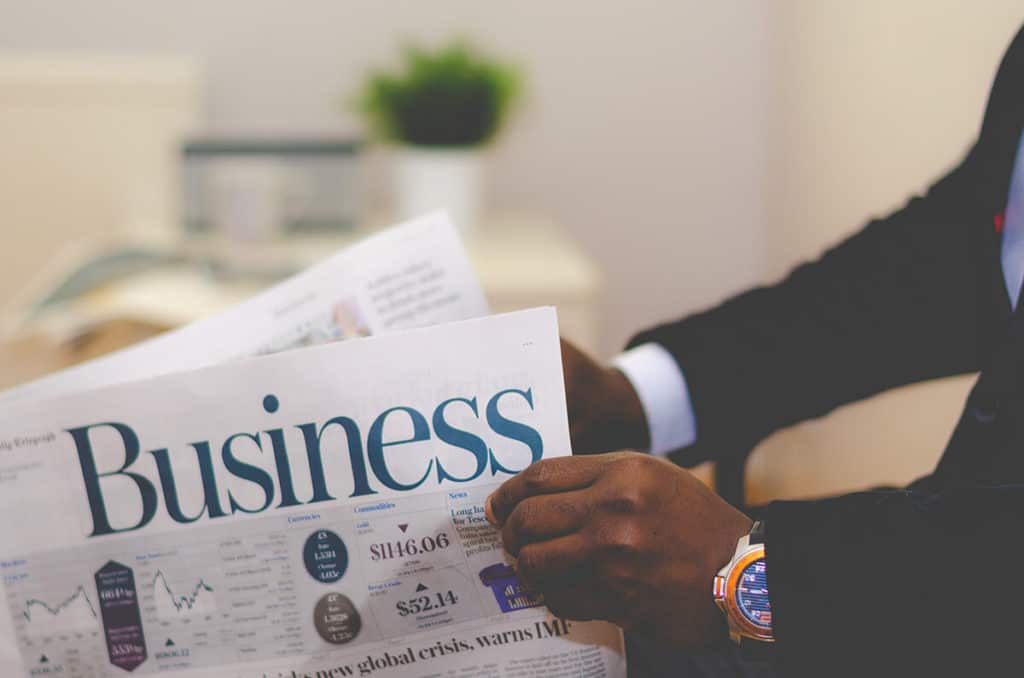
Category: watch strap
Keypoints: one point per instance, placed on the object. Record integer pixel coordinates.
(757, 532)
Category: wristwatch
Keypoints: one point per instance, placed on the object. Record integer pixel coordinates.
(741, 592)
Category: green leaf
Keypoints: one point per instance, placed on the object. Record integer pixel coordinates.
(452, 96)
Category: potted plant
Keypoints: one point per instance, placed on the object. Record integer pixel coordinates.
(441, 107)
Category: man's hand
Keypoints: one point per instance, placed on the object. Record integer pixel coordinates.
(604, 411)
(623, 537)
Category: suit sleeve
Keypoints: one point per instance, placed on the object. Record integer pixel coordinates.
(910, 297)
(898, 583)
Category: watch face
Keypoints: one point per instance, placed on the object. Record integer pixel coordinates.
(752, 595)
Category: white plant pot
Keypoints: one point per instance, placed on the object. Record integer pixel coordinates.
(429, 179)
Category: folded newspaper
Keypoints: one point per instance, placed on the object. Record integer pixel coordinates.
(410, 276)
(316, 512)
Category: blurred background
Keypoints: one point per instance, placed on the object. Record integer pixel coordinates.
(657, 157)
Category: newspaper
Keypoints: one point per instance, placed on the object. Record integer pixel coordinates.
(413, 275)
(316, 512)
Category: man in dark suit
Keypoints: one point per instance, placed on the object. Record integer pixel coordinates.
(926, 580)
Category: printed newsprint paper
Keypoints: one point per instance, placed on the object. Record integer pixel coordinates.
(317, 512)
(413, 275)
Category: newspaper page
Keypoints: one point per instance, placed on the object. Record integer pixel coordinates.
(412, 275)
(318, 512)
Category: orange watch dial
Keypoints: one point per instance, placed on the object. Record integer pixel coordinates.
(746, 595)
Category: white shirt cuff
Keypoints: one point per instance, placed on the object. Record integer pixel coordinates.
(661, 385)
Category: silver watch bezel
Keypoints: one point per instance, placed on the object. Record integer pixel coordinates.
(724, 593)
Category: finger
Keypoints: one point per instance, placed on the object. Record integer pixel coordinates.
(578, 601)
(546, 476)
(547, 565)
(544, 517)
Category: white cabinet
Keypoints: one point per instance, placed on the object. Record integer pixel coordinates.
(531, 262)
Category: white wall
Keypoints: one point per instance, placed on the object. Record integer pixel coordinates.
(643, 131)
(875, 99)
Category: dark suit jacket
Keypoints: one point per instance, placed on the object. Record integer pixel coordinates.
(930, 578)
